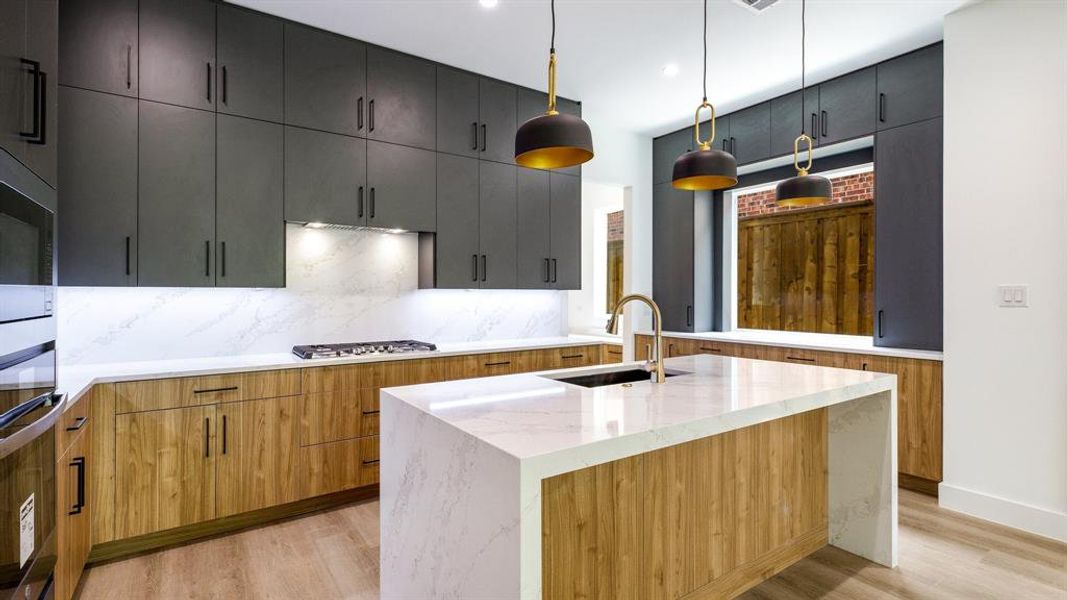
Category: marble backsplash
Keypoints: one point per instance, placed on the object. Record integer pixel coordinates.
(341, 286)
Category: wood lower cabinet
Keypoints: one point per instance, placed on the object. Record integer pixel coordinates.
(257, 461)
(74, 519)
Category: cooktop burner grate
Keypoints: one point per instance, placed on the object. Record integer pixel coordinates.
(362, 348)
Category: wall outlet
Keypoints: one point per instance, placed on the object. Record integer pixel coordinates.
(1013, 296)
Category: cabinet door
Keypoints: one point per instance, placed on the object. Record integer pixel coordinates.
(402, 99)
(908, 242)
(672, 256)
(42, 26)
(457, 112)
(249, 211)
(164, 469)
(496, 105)
(98, 45)
(98, 176)
(176, 196)
(847, 106)
(566, 232)
(456, 243)
(750, 133)
(325, 177)
(250, 75)
(73, 525)
(258, 441)
(667, 149)
(533, 236)
(788, 114)
(15, 81)
(403, 187)
(496, 201)
(911, 88)
(177, 52)
(325, 81)
(721, 139)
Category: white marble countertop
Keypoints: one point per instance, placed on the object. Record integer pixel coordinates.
(564, 427)
(856, 344)
(75, 380)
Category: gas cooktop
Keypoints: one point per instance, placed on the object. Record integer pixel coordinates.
(362, 348)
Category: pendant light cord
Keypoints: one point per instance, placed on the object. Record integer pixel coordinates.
(803, 65)
(705, 79)
(552, 46)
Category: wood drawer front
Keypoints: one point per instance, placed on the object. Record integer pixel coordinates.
(73, 421)
(338, 415)
(578, 356)
(368, 460)
(611, 353)
(159, 394)
(339, 377)
(330, 467)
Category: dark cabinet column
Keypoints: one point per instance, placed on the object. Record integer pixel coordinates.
(667, 149)
(847, 106)
(457, 112)
(177, 52)
(325, 178)
(98, 45)
(176, 196)
(98, 176)
(457, 253)
(497, 198)
(42, 31)
(533, 236)
(249, 219)
(250, 74)
(325, 81)
(672, 256)
(566, 232)
(911, 88)
(497, 107)
(15, 82)
(750, 133)
(787, 113)
(403, 187)
(908, 236)
(402, 99)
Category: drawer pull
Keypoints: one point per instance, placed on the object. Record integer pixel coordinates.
(706, 349)
(372, 462)
(498, 364)
(614, 351)
(232, 388)
(371, 412)
(79, 464)
(78, 423)
(800, 358)
(572, 356)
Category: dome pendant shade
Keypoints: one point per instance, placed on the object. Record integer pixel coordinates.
(705, 169)
(804, 190)
(552, 141)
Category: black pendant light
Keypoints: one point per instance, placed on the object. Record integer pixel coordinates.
(553, 140)
(804, 189)
(704, 168)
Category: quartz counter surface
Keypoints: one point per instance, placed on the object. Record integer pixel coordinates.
(854, 344)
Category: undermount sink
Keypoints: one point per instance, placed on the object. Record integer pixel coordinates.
(611, 377)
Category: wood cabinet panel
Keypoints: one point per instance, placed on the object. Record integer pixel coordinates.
(330, 467)
(158, 394)
(611, 353)
(337, 415)
(257, 455)
(72, 423)
(164, 469)
(102, 483)
(368, 460)
(74, 519)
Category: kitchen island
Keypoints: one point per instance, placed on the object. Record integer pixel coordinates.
(525, 486)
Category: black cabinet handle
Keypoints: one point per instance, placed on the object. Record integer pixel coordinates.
(733, 145)
(225, 85)
(864, 368)
(35, 71)
(571, 356)
(209, 82)
(359, 113)
(548, 270)
(709, 349)
(372, 462)
(371, 412)
(474, 267)
(474, 135)
(370, 119)
(484, 137)
(881, 333)
(129, 60)
(207, 437)
(689, 316)
(222, 257)
(815, 124)
(485, 269)
(824, 118)
(232, 388)
(43, 138)
(127, 256)
(79, 464)
(800, 358)
(207, 258)
(725, 143)
(372, 203)
(881, 107)
(224, 434)
(78, 423)
(555, 270)
(499, 363)
(361, 202)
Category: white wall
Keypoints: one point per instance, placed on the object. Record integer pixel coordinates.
(1005, 221)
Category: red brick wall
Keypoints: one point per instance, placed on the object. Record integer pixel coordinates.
(615, 226)
(848, 188)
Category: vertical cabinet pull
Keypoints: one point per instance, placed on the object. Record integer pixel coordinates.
(372, 196)
(359, 114)
(207, 258)
(484, 136)
(370, 126)
(689, 316)
(79, 465)
(724, 145)
(42, 139)
(474, 135)
(209, 82)
(129, 59)
(548, 271)
(224, 434)
(35, 72)
(474, 267)
(222, 257)
(823, 119)
(484, 268)
(815, 124)
(881, 332)
(555, 270)
(224, 84)
(127, 256)
(207, 437)
(881, 107)
(361, 202)
(733, 145)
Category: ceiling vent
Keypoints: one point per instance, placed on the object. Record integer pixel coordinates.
(757, 6)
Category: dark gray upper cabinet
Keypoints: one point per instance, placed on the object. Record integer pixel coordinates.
(325, 178)
(98, 45)
(325, 81)
(176, 196)
(566, 232)
(911, 87)
(403, 187)
(14, 79)
(667, 149)
(497, 215)
(456, 255)
(250, 76)
(720, 138)
(249, 220)
(908, 236)
(497, 107)
(41, 151)
(402, 99)
(457, 112)
(177, 52)
(533, 237)
(788, 114)
(28, 91)
(98, 176)
(847, 106)
(672, 256)
(750, 133)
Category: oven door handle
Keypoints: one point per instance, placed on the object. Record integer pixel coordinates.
(32, 431)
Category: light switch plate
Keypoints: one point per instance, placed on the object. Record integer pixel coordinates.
(1013, 296)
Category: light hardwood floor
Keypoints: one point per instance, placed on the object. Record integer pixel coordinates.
(334, 554)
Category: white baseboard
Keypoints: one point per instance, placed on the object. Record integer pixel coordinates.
(1033, 519)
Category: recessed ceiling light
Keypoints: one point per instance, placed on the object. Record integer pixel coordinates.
(488, 3)
(670, 70)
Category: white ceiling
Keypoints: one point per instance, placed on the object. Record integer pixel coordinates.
(611, 52)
